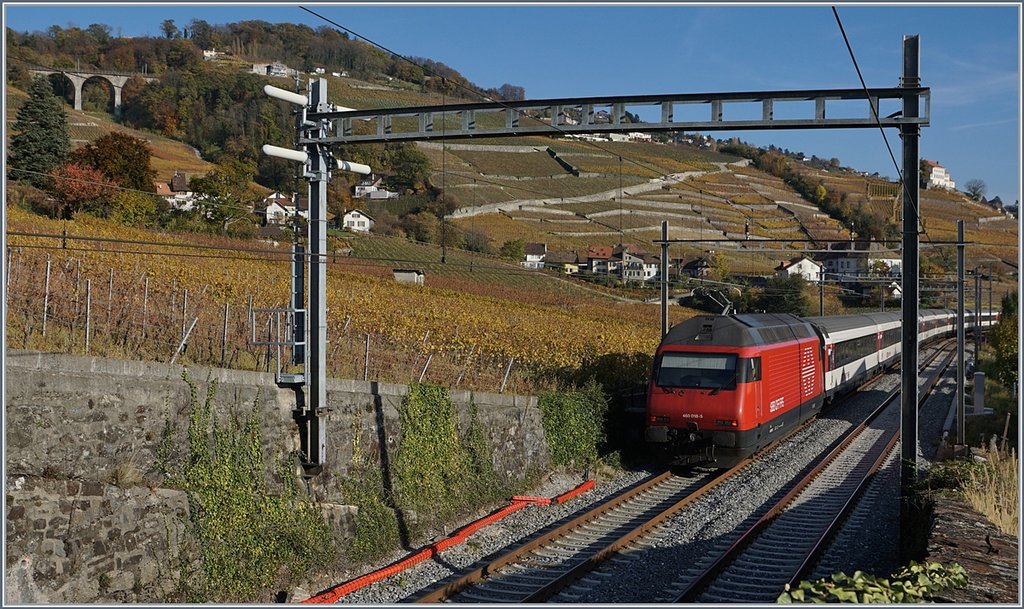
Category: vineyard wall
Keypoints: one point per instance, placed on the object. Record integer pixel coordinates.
(88, 516)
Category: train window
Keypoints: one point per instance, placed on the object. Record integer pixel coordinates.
(852, 350)
(697, 370)
(749, 369)
(892, 337)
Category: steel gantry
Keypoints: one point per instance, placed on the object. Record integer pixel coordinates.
(323, 125)
(569, 116)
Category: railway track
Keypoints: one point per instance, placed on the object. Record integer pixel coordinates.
(552, 559)
(781, 546)
(550, 562)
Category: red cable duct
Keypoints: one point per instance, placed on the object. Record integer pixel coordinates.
(517, 502)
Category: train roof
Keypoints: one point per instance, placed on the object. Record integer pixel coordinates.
(840, 323)
(738, 330)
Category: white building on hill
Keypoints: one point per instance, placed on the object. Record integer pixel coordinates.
(938, 177)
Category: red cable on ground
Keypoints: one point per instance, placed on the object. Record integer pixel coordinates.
(517, 503)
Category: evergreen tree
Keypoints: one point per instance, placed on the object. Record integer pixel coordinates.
(784, 295)
(40, 142)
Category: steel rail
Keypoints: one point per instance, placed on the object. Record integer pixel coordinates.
(694, 588)
(444, 592)
(833, 527)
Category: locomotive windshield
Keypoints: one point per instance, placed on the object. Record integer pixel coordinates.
(697, 370)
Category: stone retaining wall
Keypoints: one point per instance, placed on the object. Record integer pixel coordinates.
(87, 518)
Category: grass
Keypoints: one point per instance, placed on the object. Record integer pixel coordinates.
(994, 490)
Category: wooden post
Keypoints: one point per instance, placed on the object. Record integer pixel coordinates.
(366, 359)
(10, 254)
(465, 365)
(46, 293)
(184, 338)
(184, 311)
(78, 289)
(507, 371)
(110, 296)
(224, 337)
(88, 312)
(145, 305)
(1006, 430)
(425, 366)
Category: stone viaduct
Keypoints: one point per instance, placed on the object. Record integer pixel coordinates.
(78, 78)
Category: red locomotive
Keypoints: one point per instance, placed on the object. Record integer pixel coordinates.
(723, 387)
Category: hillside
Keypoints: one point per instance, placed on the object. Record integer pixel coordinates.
(565, 193)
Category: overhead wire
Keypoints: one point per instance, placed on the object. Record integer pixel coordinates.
(874, 113)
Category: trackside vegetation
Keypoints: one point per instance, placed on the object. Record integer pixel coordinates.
(245, 534)
(914, 583)
(440, 472)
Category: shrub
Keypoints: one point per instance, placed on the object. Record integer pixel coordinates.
(247, 536)
(914, 583)
(574, 424)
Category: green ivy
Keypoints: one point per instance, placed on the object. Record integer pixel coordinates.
(439, 472)
(376, 523)
(914, 583)
(247, 537)
(574, 424)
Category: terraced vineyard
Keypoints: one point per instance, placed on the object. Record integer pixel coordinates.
(474, 311)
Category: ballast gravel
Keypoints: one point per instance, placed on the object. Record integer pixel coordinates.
(869, 541)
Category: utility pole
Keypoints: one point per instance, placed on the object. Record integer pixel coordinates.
(664, 277)
(317, 164)
(961, 372)
(977, 316)
(821, 294)
(910, 133)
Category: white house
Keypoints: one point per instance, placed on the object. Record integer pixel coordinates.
(639, 266)
(535, 253)
(803, 266)
(938, 177)
(370, 188)
(357, 221)
(851, 259)
(176, 192)
(280, 208)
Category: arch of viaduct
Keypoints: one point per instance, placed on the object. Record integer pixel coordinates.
(78, 79)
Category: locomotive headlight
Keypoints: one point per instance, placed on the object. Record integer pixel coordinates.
(727, 423)
(659, 419)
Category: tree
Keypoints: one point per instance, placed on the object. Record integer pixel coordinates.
(422, 226)
(1007, 347)
(40, 142)
(476, 240)
(784, 296)
(79, 188)
(719, 268)
(511, 92)
(123, 159)
(513, 250)
(411, 167)
(169, 29)
(133, 208)
(975, 189)
(224, 195)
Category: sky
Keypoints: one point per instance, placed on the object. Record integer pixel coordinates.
(970, 59)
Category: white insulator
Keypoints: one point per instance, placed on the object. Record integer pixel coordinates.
(288, 96)
(354, 167)
(298, 156)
